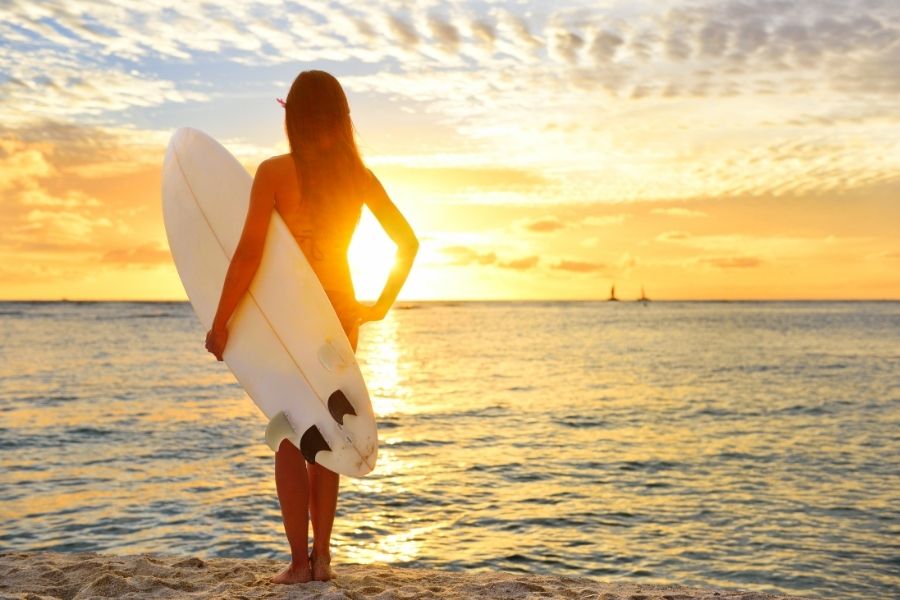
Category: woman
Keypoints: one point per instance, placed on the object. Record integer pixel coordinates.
(318, 189)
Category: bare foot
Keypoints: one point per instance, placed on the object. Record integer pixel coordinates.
(294, 574)
(321, 567)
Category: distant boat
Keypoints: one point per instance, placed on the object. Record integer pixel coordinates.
(643, 299)
(612, 294)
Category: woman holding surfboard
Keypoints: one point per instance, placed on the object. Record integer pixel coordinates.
(319, 190)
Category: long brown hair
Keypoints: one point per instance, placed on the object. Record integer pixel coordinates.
(320, 133)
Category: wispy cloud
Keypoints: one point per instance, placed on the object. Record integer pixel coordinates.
(140, 256)
(520, 264)
(678, 212)
(577, 266)
(566, 120)
(733, 262)
(669, 236)
(463, 255)
(467, 256)
(543, 225)
(772, 67)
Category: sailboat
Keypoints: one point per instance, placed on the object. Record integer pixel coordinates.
(643, 299)
(612, 294)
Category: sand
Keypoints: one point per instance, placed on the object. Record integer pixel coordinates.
(43, 575)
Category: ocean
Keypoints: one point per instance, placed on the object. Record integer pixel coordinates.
(746, 445)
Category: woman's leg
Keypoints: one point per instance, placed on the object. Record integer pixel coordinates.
(322, 506)
(323, 495)
(292, 484)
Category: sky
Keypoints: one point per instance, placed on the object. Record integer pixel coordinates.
(541, 150)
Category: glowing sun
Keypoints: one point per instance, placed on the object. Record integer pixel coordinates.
(371, 257)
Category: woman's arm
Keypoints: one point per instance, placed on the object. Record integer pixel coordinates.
(246, 257)
(398, 229)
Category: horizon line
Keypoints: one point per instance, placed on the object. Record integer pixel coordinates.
(473, 300)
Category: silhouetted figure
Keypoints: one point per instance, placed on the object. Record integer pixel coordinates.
(319, 189)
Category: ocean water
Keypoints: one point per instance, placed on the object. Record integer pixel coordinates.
(736, 444)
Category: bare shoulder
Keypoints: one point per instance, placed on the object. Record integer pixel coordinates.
(275, 166)
(276, 162)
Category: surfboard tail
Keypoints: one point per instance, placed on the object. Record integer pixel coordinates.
(278, 430)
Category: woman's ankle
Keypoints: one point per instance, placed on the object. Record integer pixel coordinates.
(321, 554)
(300, 562)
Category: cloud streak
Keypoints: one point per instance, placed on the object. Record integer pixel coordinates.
(101, 61)
(578, 266)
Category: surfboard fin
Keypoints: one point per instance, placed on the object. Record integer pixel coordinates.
(311, 442)
(338, 406)
(279, 428)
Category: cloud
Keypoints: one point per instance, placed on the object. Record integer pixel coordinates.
(81, 150)
(677, 46)
(714, 37)
(463, 255)
(45, 84)
(100, 62)
(444, 33)
(678, 212)
(830, 44)
(146, 255)
(459, 179)
(515, 37)
(62, 201)
(60, 226)
(520, 264)
(577, 266)
(543, 225)
(38, 196)
(564, 45)
(604, 46)
(402, 31)
(20, 162)
(672, 236)
(751, 35)
(484, 31)
(733, 262)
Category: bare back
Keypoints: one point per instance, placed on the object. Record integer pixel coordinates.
(325, 251)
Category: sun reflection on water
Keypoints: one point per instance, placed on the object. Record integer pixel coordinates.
(379, 360)
(403, 546)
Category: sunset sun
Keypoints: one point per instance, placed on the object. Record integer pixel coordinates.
(371, 257)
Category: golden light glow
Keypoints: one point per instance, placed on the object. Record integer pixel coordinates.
(636, 162)
(381, 366)
(371, 257)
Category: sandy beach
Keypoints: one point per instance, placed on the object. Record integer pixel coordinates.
(41, 575)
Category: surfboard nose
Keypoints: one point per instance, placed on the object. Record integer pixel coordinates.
(185, 137)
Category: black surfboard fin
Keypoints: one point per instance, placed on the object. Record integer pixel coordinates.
(338, 406)
(311, 442)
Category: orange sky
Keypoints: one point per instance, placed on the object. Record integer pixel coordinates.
(539, 152)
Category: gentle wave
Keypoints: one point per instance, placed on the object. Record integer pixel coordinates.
(744, 444)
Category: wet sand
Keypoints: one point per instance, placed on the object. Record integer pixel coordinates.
(44, 575)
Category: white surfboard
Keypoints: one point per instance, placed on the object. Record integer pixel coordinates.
(285, 344)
